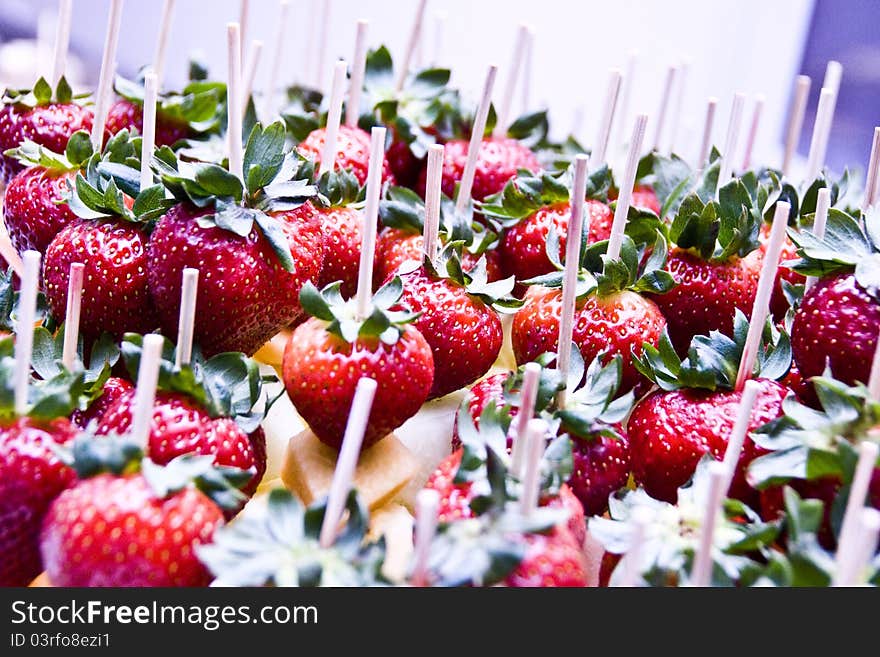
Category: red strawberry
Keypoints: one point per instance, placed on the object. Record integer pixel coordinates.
(115, 294)
(404, 165)
(498, 162)
(463, 331)
(396, 246)
(324, 360)
(127, 115)
(352, 151)
(341, 228)
(825, 489)
(670, 431)
(577, 522)
(245, 296)
(553, 559)
(619, 323)
(778, 303)
(48, 124)
(837, 322)
(32, 208)
(116, 531)
(601, 467)
(31, 476)
(523, 249)
(180, 426)
(485, 391)
(707, 294)
(114, 388)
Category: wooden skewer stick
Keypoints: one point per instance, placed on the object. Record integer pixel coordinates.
(851, 570)
(24, 328)
(370, 217)
(528, 394)
(251, 75)
(516, 58)
(414, 36)
(795, 120)
(701, 575)
(244, 13)
(600, 147)
(71, 315)
(625, 97)
(323, 36)
(833, 75)
(148, 139)
(358, 69)
(162, 41)
(574, 233)
(62, 40)
(439, 30)
(343, 476)
(846, 544)
(479, 127)
(873, 172)
(731, 141)
(536, 430)
(680, 85)
(706, 142)
(277, 58)
(312, 21)
(334, 116)
(145, 391)
(427, 504)
(233, 100)
(662, 111)
(753, 131)
(187, 319)
(631, 562)
(761, 307)
(105, 81)
(626, 187)
(740, 429)
(528, 67)
(434, 180)
(818, 142)
(823, 203)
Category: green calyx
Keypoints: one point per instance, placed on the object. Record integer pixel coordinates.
(10, 299)
(343, 321)
(741, 543)
(669, 176)
(337, 188)
(809, 444)
(303, 112)
(201, 104)
(42, 94)
(226, 385)
(268, 187)
(278, 545)
(77, 154)
(713, 361)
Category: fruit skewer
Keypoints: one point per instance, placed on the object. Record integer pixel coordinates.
(105, 81)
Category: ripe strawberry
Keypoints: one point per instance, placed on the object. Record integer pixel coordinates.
(498, 162)
(707, 294)
(43, 117)
(31, 476)
(618, 323)
(325, 358)
(772, 503)
(180, 426)
(553, 559)
(403, 164)
(118, 531)
(32, 208)
(778, 303)
(114, 388)
(352, 152)
(341, 228)
(601, 467)
(127, 115)
(837, 323)
(455, 498)
(488, 390)
(457, 317)
(524, 247)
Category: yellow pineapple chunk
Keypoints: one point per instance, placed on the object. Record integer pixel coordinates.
(382, 471)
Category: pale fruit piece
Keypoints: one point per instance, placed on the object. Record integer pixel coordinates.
(395, 523)
(272, 353)
(506, 360)
(593, 553)
(41, 581)
(281, 422)
(382, 471)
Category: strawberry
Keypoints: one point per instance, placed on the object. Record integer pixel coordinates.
(122, 527)
(194, 112)
(404, 165)
(837, 321)
(499, 161)
(717, 261)
(273, 246)
(327, 355)
(644, 196)
(457, 316)
(31, 476)
(779, 304)
(772, 502)
(40, 116)
(352, 152)
(694, 411)
(488, 390)
(114, 388)
(455, 497)
(553, 559)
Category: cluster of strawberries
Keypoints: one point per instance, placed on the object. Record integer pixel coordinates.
(658, 334)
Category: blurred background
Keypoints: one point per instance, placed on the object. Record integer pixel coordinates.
(753, 46)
